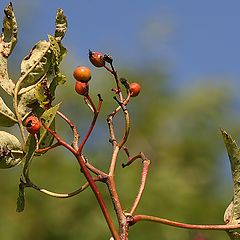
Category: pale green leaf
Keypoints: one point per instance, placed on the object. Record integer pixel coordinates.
(25, 100)
(7, 117)
(36, 64)
(5, 82)
(11, 152)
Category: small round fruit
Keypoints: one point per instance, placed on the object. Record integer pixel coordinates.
(96, 58)
(134, 89)
(82, 74)
(82, 88)
(33, 124)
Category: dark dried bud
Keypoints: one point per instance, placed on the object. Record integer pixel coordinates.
(108, 58)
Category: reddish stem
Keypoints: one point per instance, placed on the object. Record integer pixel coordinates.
(73, 127)
(96, 112)
(98, 196)
(43, 150)
(138, 218)
(61, 142)
(144, 175)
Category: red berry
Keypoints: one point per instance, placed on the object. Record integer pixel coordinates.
(134, 89)
(82, 88)
(33, 124)
(97, 59)
(82, 74)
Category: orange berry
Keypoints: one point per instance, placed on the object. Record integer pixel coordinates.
(33, 124)
(96, 58)
(134, 89)
(82, 88)
(82, 74)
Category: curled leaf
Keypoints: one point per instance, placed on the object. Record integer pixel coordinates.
(8, 40)
(11, 152)
(9, 35)
(61, 25)
(7, 117)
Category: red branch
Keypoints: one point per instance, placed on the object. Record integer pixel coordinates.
(138, 218)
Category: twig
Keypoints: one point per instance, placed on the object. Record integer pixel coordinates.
(60, 141)
(93, 169)
(74, 129)
(96, 112)
(98, 195)
(43, 150)
(62, 195)
(138, 218)
(90, 103)
(144, 175)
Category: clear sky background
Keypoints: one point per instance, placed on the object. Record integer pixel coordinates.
(191, 40)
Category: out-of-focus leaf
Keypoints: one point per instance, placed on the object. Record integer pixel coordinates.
(11, 152)
(232, 214)
(7, 117)
(61, 25)
(21, 198)
(36, 64)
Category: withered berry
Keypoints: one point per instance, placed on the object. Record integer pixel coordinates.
(96, 58)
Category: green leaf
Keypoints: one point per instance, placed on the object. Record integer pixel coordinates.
(7, 117)
(42, 94)
(29, 148)
(21, 198)
(58, 53)
(47, 118)
(61, 25)
(11, 152)
(58, 80)
(232, 214)
(36, 64)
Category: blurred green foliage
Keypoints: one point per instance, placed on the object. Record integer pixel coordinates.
(177, 128)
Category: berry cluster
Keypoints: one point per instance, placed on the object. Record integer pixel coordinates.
(82, 74)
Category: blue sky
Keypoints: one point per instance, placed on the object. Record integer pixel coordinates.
(192, 40)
